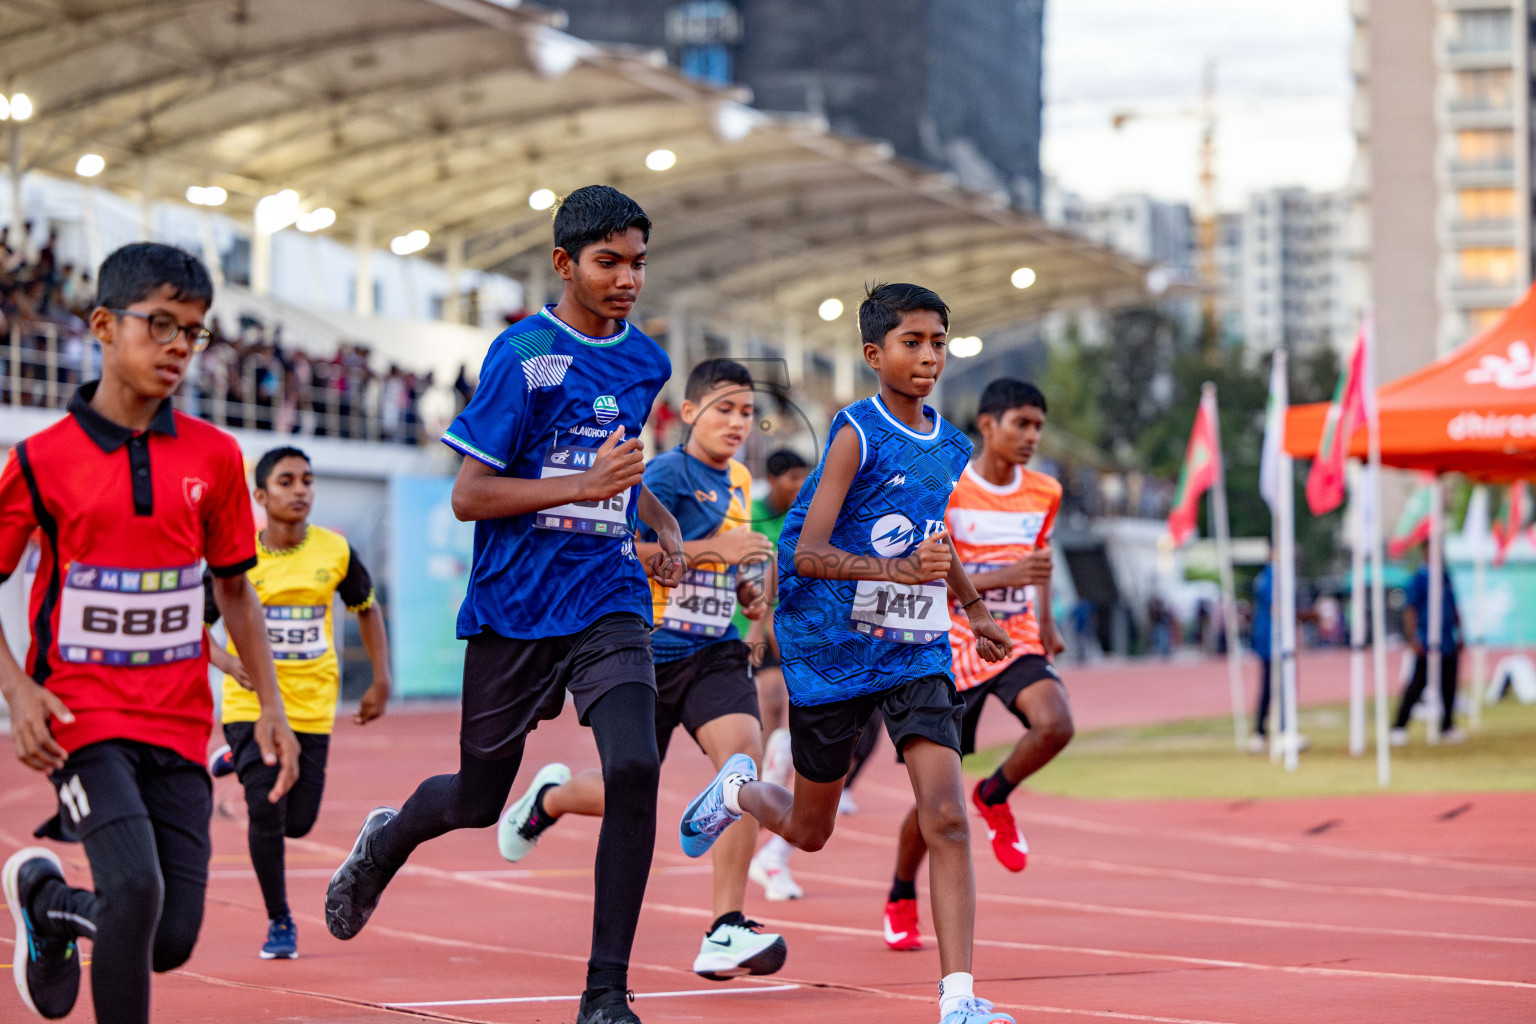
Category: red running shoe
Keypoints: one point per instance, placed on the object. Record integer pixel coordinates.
(1010, 848)
(901, 925)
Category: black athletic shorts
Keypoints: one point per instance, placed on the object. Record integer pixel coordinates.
(105, 782)
(255, 774)
(708, 684)
(510, 686)
(1006, 687)
(823, 736)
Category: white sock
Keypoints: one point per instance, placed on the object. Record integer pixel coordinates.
(953, 990)
(732, 792)
(775, 850)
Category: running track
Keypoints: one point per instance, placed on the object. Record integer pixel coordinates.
(1389, 909)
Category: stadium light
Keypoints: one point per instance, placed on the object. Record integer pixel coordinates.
(965, 346)
(830, 309)
(17, 108)
(541, 199)
(316, 220)
(415, 241)
(1023, 277)
(275, 212)
(661, 159)
(213, 195)
(89, 165)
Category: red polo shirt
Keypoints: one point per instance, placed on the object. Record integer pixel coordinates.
(126, 522)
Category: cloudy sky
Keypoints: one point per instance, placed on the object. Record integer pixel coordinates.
(1282, 82)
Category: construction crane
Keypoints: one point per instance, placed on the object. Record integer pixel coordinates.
(1205, 207)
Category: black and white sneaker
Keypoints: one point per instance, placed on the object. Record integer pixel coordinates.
(221, 762)
(356, 886)
(610, 1006)
(46, 968)
(736, 947)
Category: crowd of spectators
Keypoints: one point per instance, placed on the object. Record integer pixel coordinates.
(249, 379)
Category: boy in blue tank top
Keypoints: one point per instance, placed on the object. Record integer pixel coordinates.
(865, 574)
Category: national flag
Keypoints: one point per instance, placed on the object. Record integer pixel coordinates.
(1511, 520)
(1271, 473)
(1412, 527)
(1325, 480)
(1202, 462)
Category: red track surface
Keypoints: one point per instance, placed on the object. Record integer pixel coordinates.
(1390, 909)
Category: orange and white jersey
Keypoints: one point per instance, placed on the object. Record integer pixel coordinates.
(992, 526)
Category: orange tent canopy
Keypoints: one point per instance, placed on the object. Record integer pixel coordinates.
(1472, 411)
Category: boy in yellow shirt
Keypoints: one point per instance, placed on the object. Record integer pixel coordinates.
(299, 569)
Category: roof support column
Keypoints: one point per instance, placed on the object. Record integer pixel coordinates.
(842, 374)
(261, 260)
(535, 285)
(18, 201)
(453, 305)
(147, 201)
(205, 238)
(362, 252)
(794, 353)
(677, 349)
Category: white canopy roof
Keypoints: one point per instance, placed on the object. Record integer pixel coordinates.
(445, 115)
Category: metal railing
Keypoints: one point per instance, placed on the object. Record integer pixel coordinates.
(44, 364)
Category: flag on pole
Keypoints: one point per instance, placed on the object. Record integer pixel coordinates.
(1511, 521)
(1201, 461)
(1412, 527)
(1325, 480)
(1274, 437)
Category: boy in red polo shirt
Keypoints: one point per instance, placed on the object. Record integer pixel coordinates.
(114, 703)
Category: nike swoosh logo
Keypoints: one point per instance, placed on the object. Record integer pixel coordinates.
(893, 936)
(717, 942)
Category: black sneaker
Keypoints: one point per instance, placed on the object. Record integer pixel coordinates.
(221, 762)
(608, 1006)
(356, 886)
(47, 968)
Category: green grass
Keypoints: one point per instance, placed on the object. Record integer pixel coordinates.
(1196, 759)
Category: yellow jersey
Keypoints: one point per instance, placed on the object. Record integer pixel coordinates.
(296, 587)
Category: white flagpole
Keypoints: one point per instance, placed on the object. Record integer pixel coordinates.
(1436, 608)
(1286, 598)
(1378, 567)
(1482, 540)
(1357, 610)
(1224, 567)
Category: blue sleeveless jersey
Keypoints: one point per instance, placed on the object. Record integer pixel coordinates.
(548, 397)
(897, 498)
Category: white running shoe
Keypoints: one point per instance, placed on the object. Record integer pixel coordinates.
(1399, 738)
(778, 762)
(732, 950)
(510, 837)
(1453, 735)
(846, 803)
(772, 873)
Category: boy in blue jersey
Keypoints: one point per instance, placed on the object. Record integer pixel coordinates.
(703, 677)
(558, 599)
(863, 624)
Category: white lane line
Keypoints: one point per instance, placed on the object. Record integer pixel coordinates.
(1037, 947)
(983, 898)
(1180, 874)
(568, 999)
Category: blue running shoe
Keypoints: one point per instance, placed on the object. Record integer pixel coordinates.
(976, 1011)
(282, 940)
(221, 762)
(707, 816)
(47, 968)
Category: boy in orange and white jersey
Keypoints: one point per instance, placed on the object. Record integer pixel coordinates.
(999, 519)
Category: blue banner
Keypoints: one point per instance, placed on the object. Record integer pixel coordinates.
(430, 553)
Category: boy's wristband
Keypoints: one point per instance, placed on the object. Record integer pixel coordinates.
(967, 604)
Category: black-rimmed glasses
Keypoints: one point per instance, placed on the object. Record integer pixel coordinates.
(163, 328)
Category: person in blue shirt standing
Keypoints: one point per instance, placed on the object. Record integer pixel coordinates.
(558, 598)
(863, 624)
(703, 674)
(1416, 628)
(1260, 638)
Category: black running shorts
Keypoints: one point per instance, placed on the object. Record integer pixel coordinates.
(708, 684)
(115, 779)
(1006, 686)
(823, 736)
(510, 686)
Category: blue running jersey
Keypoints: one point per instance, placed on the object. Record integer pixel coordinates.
(840, 639)
(705, 502)
(548, 397)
